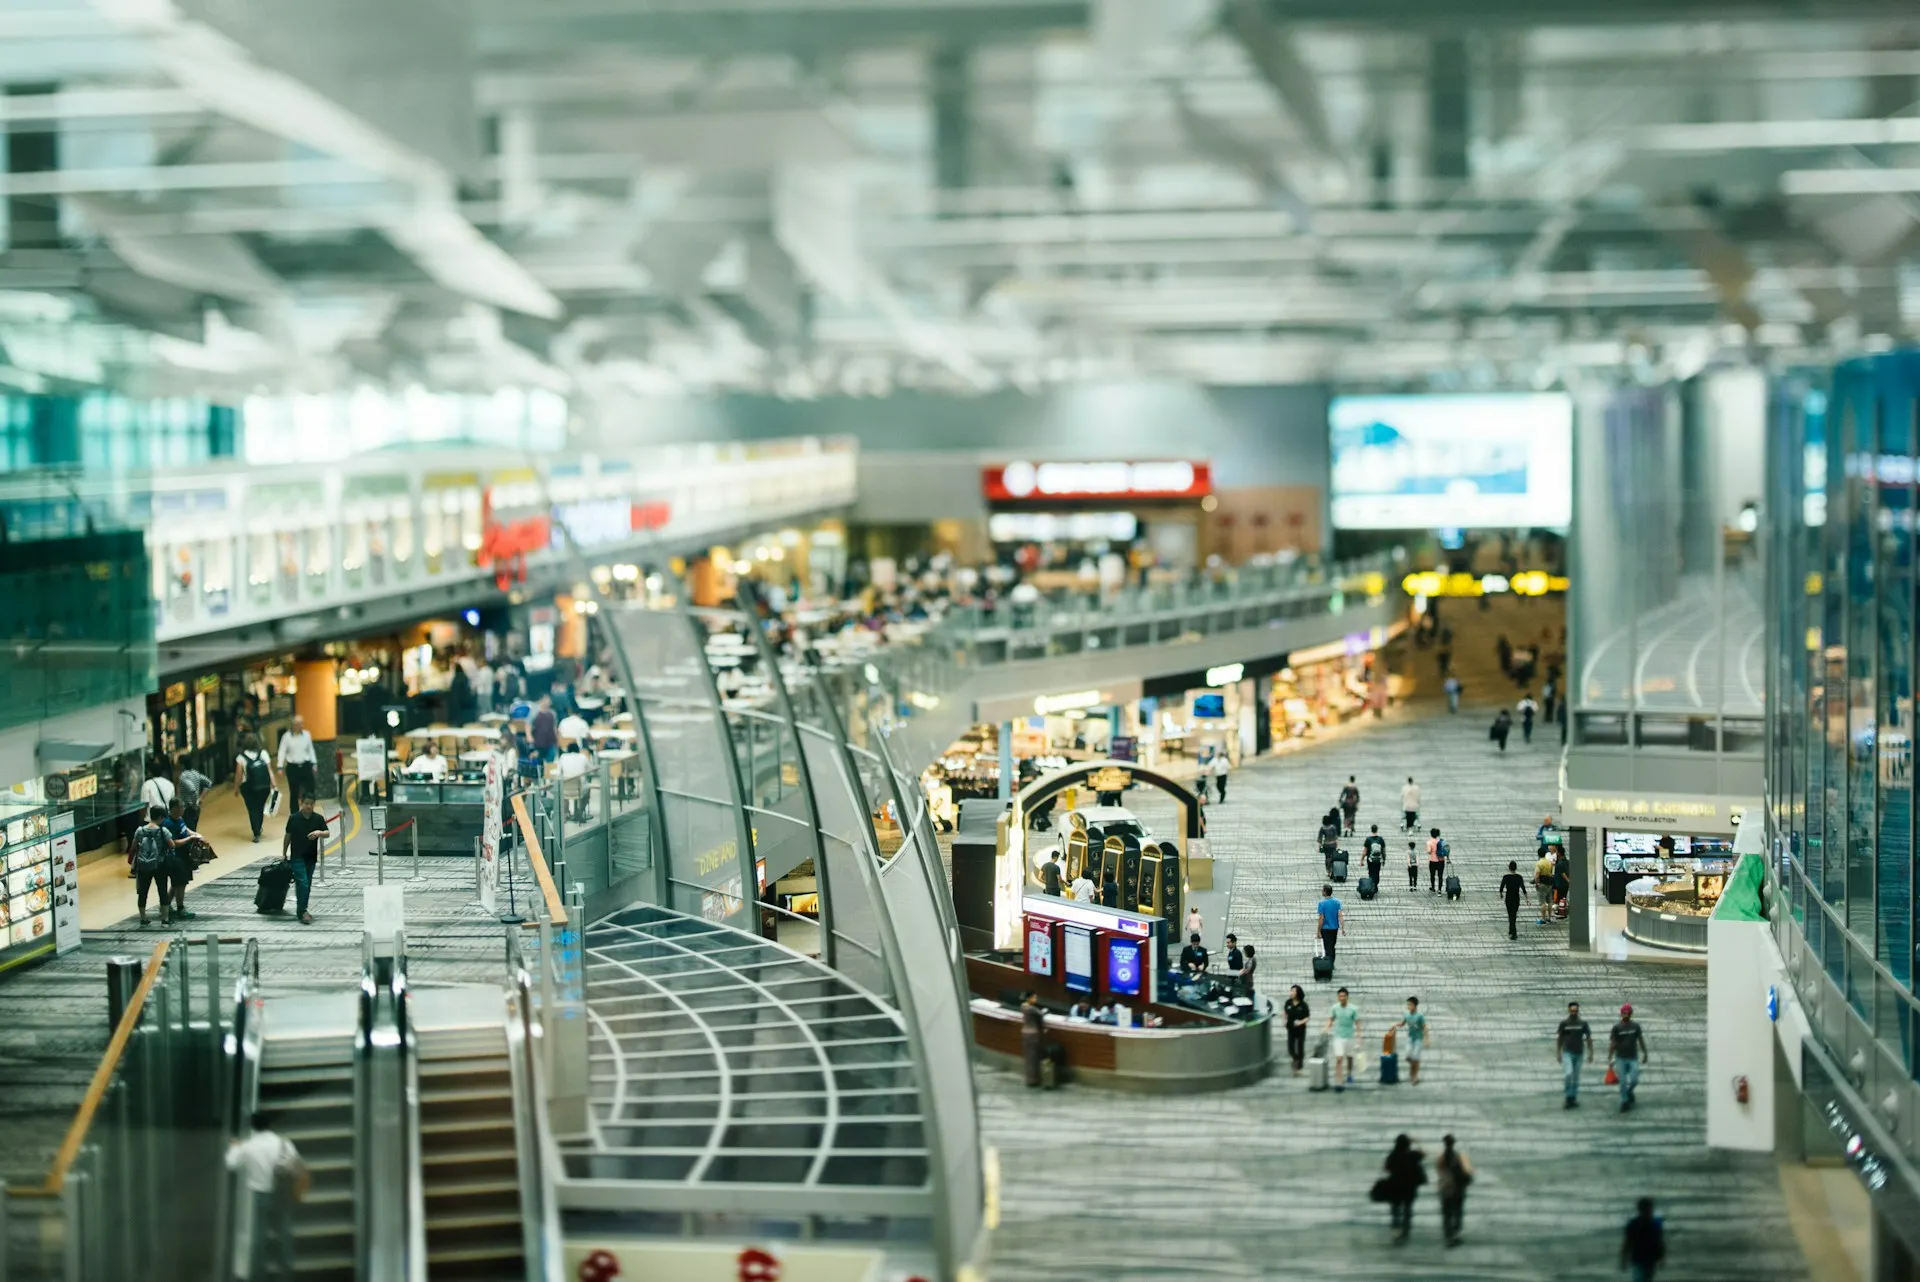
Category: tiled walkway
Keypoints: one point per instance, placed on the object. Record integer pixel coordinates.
(1270, 1181)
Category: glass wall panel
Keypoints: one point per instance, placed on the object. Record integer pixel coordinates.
(1893, 574)
(1861, 602)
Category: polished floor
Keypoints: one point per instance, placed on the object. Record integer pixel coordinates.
(1270, 1181)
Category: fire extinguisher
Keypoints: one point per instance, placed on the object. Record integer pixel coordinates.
(1740, 1090)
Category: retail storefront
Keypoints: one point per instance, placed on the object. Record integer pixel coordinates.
(1326, 685)
(1658, 862)
(1114, 517)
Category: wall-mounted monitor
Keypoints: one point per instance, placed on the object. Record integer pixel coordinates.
(1077, 947)
(1039, 948)
(1495, 461)
(1125, 966)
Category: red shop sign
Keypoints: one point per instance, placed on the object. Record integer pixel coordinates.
(653, 515)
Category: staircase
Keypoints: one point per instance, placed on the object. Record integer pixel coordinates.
(306, 1093)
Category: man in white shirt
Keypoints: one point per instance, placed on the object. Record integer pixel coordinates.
(1083, 890)
(158, 789)
(297, 763)
(1220, 768)
(573, 729)
(265, 1160)
(1410, 804)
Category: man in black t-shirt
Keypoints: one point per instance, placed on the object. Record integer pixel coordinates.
(1050, 876)
(1375, 848)
(1573, 1042)
(1512, 887)
(1193, 958)
(306, 833)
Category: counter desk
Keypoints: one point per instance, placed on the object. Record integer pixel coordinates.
(1190, 1053)
(447, 813)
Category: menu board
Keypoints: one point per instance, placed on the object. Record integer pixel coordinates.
(27, 886)
(1077, 950)
(66, 886)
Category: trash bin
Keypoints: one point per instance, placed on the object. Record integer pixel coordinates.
(123, 976)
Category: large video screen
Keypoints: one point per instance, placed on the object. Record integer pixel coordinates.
(1502, 461)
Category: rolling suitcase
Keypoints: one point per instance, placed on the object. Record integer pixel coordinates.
(1338, 871)
(1453, 886)
(1323, 967)
(1317, 1073)
(270, 896)
(1389, 1069)
(1368, 888)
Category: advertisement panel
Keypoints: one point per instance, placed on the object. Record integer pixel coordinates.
(1497, 461)
(495, 794)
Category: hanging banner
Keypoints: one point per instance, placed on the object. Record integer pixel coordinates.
(490, 834)
(66, 887)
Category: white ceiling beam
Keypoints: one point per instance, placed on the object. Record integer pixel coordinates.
(97, 104)
(211, 176)
(1850, 182)
(1776, 135)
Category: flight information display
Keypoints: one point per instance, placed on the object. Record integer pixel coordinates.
(1496, 461)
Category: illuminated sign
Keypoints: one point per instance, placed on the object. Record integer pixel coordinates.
(1226, 674)
(1110, 779)
(1049, 704)
(593, 521)
(1068, 910)
(1023, 482)
(1430, 583)
(1647, 810)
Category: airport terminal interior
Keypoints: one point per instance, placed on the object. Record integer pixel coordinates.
(959, 640)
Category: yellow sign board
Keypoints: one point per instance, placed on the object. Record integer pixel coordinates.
(1110, 779)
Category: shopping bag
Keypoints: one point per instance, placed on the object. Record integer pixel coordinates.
(273, 802)
(1611, 1079)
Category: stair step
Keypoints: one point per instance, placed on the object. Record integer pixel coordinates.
(470, 1187)
(466, 1095)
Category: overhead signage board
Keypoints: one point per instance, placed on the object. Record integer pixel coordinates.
(1644, 811)
(1497, 461)
(1081, 482)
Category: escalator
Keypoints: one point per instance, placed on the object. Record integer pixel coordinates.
(470, 1179)
(306, 1092)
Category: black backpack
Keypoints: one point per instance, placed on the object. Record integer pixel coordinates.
(150, 847)
(259, 773)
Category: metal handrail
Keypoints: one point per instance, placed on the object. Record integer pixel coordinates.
(539, 1156)
(537, 859)
(244, 1044)
(416, 1262)
(103, 1075)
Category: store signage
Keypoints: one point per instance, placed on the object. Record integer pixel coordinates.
(1050, 704)
(80, 787)
(593, 521)
(1023, 482)
(1226, 674)
(1047, 908)
(1110, 779)
(1175, 684)
(1677, 812)
(652, 515)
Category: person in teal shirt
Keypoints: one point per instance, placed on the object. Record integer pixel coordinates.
(1415, 1022)
(1344, 1025)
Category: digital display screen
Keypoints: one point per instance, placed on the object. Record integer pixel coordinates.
(1039, 949)
(1124, 967)
(1209, 705)
(1499, 461)
(1079, 959)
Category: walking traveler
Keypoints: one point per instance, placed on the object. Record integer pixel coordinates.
(1437, 853)
(1512, 887)
(157, 791)
(1574, 1042)
(1221, 766)
(1033, 1036)
(152, 851)
(1196, 925)
(1543, 882)
(1250, 964)
(1344, 1026)
(1644, 1245)
(1528, 708)
(1452, 686)
(180, 839)
(1410, 804)
(1109, 891)
(306, 832)
(1452, 1174)
(1627, 1048)
(1415, 1022)
(1082, 890)
(1406, 1171)
(544, 728)
(1296, 1013)
(1376, 854)
(1502, 727)
(1329, 838)
(275, 1178)
(1413, 866)
(1332, 918)
(1350, 803)
(1548, 693)
(193, 786)
(253, 778)
(297, 763)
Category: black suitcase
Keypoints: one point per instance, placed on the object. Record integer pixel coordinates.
(1368, 888)
(1453, 886)
(270, 896)
(1323, 967)
(1338, 869)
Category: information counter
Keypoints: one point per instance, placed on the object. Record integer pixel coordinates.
(447, 812)
(1673, 913)
(1189, 1053)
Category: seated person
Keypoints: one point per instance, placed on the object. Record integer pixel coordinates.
(429, 764)
(1193, 958)
(574, 762)
(573, 729)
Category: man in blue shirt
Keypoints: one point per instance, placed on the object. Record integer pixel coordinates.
(1331, 919)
